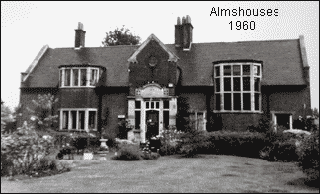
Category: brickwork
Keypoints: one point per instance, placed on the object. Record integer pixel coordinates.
(114, 103)
(78, 98)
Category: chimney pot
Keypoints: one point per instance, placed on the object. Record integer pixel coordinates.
(188, 19)
(178, 21)
(183, 20)
(80, 36)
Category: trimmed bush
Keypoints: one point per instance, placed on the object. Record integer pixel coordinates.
(308, 152)
(246, 144)
(283, 151)
(128, 152)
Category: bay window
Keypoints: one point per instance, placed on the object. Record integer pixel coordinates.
(237, 87)
(78, 76)
(78, 119)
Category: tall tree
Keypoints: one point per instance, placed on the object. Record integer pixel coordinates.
(121, 36)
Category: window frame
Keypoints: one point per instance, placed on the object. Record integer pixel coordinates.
(96, 78)
(70, 120)
(204, 113)
(252, 90)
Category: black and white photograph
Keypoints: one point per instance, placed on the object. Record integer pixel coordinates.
(160, 97)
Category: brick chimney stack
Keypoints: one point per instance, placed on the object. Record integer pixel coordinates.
(183, 33)
(80, 36)
(178, 33)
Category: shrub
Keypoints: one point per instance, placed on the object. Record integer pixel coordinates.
(24, 149)
(128, 152)
(170, 141)
(283, 151)
(151, 156)
(192, 141)
(247, 144)
(309, 155)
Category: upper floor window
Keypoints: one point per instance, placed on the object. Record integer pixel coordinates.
(78, 77)
(237, 87)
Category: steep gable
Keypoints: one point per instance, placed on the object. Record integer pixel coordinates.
(172, 56)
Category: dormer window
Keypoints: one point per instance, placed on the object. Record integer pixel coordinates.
(237, 87)
(78, 77)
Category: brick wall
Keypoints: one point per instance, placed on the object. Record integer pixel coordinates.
(114, 102)
(78, 98)
(290, 98)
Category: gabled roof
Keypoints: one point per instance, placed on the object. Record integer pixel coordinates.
(282, 62)
(172, 56)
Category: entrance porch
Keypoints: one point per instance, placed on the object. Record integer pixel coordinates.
(150, 111)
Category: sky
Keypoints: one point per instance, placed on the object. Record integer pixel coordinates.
(27, 26)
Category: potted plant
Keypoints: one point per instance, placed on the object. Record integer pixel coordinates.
(87, 154)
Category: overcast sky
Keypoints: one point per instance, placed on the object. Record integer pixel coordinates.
(27, 26)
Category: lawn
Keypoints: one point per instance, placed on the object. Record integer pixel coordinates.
(207, 173)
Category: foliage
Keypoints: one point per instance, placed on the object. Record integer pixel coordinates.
(24, 149)
(308, 152)
(182, 117)
(128, 152)
(121, 36)
(283, 151)
(262, 127)
(123, 128)
(193, 140)
(169, 141)
(305, 124)
(315, 113)
(8, 119)
(42, 117)
(246, 144)
(147, 154)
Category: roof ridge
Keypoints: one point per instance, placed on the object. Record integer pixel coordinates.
(98, 47)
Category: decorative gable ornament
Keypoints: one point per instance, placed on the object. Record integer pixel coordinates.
(172, 56)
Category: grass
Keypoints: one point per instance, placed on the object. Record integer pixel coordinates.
(208, 173)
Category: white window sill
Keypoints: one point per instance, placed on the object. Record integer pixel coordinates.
(76, 130)
(242, 111)
(77, 87)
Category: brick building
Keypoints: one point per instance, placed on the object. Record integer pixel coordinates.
(226, 85)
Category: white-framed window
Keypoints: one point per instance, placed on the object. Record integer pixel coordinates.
(78, 77)
(237, 87)
(198, 120)
(78, 119)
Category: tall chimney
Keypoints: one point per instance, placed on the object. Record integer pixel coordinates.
(178, 37)
(80, 36)
(183, 33)
(187, 32)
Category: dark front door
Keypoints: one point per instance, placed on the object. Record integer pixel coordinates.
(152, 120)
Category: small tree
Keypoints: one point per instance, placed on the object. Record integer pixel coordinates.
(121, 36)
(42, 117)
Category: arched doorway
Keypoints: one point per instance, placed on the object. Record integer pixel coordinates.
(152, 123)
